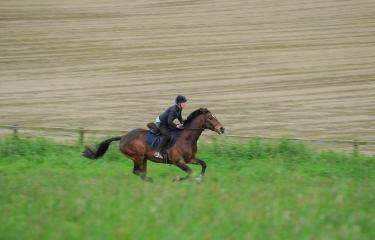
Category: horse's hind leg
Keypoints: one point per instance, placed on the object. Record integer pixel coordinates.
(182, 165)
(141, 170)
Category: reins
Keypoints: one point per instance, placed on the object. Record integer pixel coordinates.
(191, 129)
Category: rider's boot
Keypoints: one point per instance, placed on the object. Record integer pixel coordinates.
(158, 155)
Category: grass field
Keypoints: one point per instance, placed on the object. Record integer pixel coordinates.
(300, 69)
(251, 191)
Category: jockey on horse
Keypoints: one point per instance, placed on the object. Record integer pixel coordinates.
(165, 122)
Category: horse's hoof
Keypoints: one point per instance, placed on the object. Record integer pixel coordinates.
(176, 179)
(147, 179)
(199, 179)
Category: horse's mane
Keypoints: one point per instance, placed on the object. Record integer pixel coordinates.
(195, 114)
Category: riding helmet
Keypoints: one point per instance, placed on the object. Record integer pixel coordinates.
(180, 99)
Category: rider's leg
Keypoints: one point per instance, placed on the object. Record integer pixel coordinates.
(164, 139)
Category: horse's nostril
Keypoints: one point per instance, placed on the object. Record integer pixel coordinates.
(222, 130)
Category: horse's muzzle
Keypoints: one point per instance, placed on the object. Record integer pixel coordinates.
(220, 130)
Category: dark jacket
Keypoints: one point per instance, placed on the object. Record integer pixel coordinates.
(170, 115)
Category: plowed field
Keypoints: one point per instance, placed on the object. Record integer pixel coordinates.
(302, 69)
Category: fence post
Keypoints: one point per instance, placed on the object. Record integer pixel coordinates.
(81, 135)
(15, 130)
(355, 145)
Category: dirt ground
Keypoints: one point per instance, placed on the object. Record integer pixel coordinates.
(299, 69)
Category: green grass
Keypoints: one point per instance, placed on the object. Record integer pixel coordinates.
(252, 190)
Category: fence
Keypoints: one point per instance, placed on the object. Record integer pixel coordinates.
(81, 136)
(80, 132)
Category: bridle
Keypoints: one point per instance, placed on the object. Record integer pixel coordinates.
(213, 125)
(205, 122)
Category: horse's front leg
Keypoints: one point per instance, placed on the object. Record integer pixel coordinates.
(182, 165)
(204, 166)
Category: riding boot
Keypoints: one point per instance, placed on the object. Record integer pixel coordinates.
(163, 142)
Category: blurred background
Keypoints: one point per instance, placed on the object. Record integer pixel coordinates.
(297, 69)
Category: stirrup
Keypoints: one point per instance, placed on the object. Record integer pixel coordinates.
(158, 155)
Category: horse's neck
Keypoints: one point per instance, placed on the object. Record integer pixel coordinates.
(194, 129)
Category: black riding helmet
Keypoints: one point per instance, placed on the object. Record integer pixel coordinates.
(180, 99)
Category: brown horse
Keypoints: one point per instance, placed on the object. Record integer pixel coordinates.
(133, 145)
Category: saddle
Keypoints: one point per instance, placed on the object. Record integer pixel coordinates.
(153, 128)
(153, 138)
(154, 134)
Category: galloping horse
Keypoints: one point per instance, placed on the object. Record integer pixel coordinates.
(133, 145)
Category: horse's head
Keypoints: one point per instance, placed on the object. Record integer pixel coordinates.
(211, 122)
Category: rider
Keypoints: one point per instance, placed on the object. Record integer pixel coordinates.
(165, 122)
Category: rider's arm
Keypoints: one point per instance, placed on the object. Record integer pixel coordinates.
(180, 118)
(171, 117)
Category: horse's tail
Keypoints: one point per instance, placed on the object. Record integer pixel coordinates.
(100, 151)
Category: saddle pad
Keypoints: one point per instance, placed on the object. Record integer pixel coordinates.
(153, 140)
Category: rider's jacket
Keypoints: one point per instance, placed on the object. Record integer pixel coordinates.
(172, 113)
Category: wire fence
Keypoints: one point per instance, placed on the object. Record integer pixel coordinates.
(80, 134)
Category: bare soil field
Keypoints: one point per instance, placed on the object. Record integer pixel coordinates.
(299, 69)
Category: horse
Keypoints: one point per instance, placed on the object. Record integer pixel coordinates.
(133, 146)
